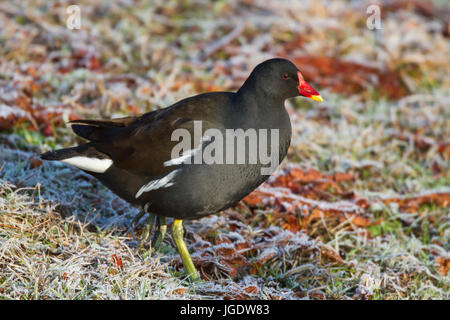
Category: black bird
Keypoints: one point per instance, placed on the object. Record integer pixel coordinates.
(151, 162)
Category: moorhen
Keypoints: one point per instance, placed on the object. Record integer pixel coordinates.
(151, 162)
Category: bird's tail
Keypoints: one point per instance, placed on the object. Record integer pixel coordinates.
(61, 154)
(84, 157)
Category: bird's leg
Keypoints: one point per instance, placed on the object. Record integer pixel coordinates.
(138, 217)
(148, 227)
(177, 234)
(160, 233)
(132, 227)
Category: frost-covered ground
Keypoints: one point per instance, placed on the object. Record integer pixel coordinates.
(360, 209)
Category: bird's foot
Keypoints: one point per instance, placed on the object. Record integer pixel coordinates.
(159, 233)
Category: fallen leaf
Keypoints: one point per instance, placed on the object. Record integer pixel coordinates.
(444, 264)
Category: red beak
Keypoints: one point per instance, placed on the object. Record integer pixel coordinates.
(306, 90)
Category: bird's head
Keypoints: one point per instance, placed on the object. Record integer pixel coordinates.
(280, 78)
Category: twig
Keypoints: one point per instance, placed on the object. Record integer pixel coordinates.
(217, 45)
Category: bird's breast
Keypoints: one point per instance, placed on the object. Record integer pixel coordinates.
(219, 172)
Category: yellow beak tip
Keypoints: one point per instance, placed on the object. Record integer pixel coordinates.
(316, 98)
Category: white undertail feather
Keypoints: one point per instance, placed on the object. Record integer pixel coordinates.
(89, 164)
(164, 182)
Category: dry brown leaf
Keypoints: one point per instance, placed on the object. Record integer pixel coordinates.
(412, 203)
(444, 264)
(350, 77)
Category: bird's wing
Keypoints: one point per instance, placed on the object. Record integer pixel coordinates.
(144, 146)
(103, 130)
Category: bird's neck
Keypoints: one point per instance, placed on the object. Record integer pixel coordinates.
(252, 96)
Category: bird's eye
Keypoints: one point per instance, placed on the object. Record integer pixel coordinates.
(285, 76)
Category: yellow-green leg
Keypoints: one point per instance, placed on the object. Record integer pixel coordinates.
(148, 226)
(160, 233)
(177, 234)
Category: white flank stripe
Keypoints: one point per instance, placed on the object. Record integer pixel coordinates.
(89, 164)
(164, 182)
(187, 154)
